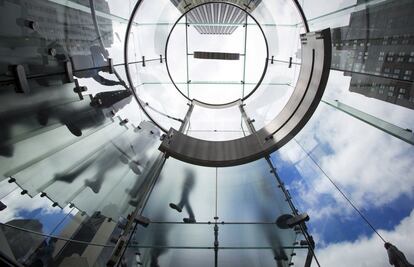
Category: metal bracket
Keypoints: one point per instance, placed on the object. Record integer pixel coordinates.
(144, 221)
(123, 122)
(297, 219)
(111, 65)
(22, 86)
(79, 89)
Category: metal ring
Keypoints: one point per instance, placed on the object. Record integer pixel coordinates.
(128, 74)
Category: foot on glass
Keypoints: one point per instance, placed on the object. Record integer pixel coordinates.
(175, 207)
(2, 206)
(74, 129)
(189, 220)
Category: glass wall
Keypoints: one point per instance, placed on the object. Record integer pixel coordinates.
(78, 155)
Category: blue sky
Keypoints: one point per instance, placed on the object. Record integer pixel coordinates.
(337, 228)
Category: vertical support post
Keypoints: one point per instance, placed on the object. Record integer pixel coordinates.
(216, 228)
(187, 117)
(245, 56)
(247, 120)
(216, 244)
(131, 225)
(186, 50)
(281, 185)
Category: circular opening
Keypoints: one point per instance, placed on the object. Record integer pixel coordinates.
(207, 58)
(153, 75)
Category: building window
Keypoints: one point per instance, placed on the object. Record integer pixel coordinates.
(402, 90)
(390, 94)
(408, 72)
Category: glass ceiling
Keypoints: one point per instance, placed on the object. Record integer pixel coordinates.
(212, 81)
(71, 172)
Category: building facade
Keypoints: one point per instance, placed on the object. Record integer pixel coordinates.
(379, 55)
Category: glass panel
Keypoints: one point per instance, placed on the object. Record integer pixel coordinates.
(252, 257)
(188, 186)
(216, 124)
(254, 188)
(36, 175)
(267, 102)
(171, 257)
(175, 235)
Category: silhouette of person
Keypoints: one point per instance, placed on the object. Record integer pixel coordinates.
(184, 202)
(75, 120)
(396, 257)
(105, 164)
(91, 65)
(161, 241)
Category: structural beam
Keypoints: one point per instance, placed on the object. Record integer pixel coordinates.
(216, 55)
(405, 135)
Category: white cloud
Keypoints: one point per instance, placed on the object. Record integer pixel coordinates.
(17, 203)
(367, 252)
(370, 166)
